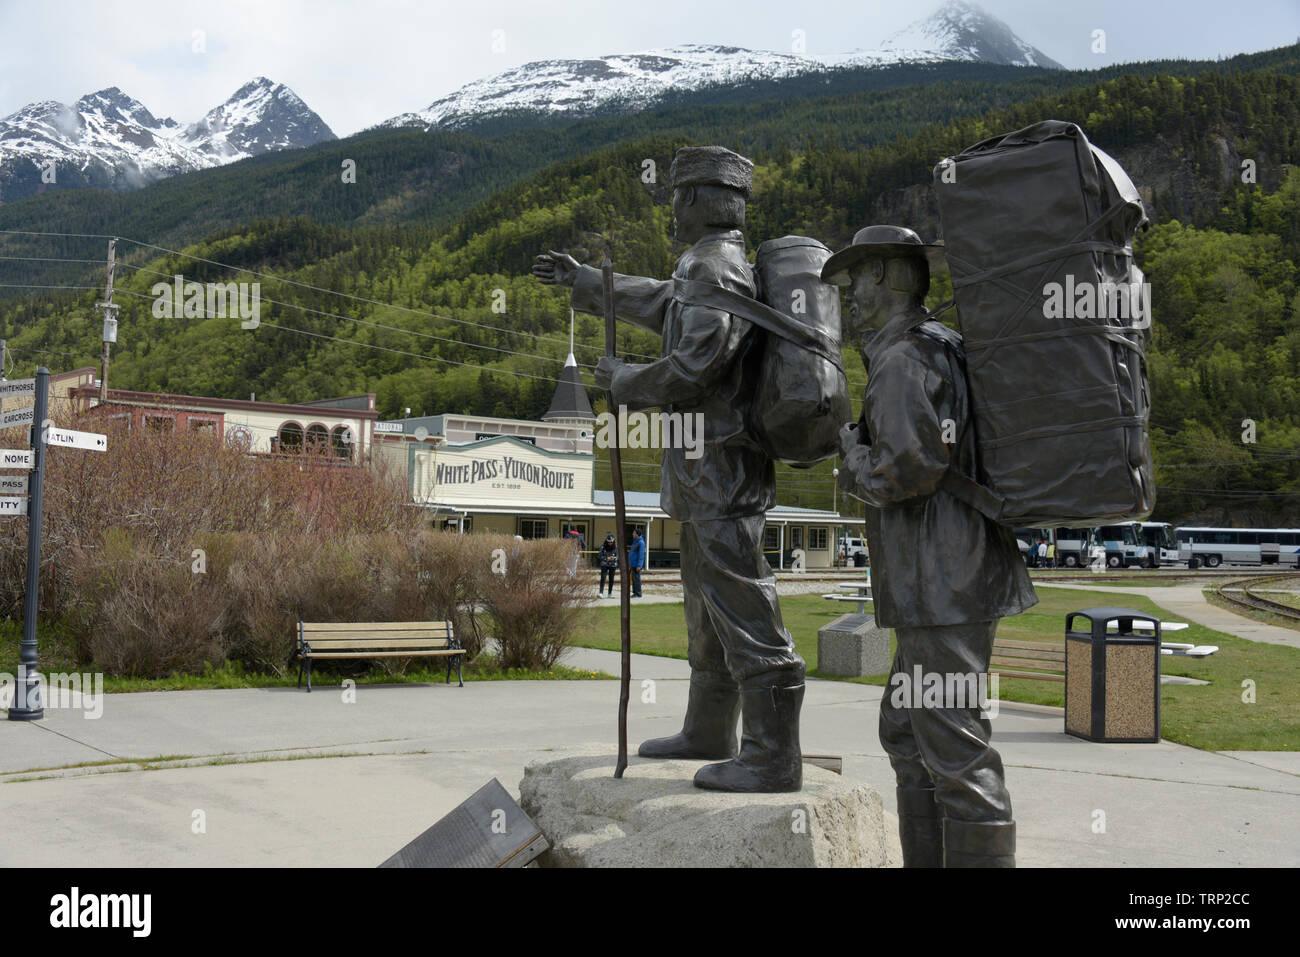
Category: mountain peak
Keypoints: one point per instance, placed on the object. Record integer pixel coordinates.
(628, 82)
(111, 139)
(962, 30)
(260, 116)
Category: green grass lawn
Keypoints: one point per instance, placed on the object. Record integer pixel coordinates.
(55, 658)
(1212, 716)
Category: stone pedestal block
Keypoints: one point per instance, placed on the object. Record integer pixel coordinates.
(655, 817)
(852, 646)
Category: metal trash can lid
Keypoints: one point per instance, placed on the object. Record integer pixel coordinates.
(1104, 615)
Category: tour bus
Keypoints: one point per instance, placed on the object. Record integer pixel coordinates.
(1123, 543)
(1160, 536)
(1027, 538)
(1239, 546)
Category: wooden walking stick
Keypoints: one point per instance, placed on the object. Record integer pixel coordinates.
(620, 532)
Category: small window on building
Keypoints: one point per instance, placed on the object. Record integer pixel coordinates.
(290, 437)
(160, 423)
(817, 539)
(341, 441)
(206, 427)
(532, 528)
(796, 536)
(120, 421)
(771, 537)
(318, 438)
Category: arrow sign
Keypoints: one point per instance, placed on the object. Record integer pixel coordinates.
(13, 484)
(17, 387)
(17, 459)
(71, 439)
(10, 507)
(17, 417)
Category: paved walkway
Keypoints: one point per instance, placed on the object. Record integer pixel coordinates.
(279, 777)
(1188, 602)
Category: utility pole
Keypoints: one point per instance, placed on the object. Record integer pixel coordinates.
(110, 321)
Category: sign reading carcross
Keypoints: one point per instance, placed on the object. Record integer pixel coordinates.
(17, 417)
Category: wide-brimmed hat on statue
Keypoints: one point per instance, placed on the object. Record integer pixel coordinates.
(711, 166)
(875, 242)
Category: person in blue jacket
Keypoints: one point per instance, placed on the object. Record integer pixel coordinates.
(636, 562)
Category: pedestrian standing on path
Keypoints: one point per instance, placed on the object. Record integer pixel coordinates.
(636, 561)
(608, 563)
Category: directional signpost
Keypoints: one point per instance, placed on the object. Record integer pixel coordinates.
(17, 387)
(69, 439)
(17, 459)
(24, 416)
(22, 495)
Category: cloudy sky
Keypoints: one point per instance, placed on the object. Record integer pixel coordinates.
(357, 63)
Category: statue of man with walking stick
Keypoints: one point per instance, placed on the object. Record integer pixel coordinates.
(743, 661)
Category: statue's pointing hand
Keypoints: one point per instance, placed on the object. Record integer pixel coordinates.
(606, 366)
(556, 268)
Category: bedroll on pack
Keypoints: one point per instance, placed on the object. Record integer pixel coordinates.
(1037, 227)
(801, 397)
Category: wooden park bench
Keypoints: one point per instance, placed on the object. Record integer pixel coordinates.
(377, 639)
(1045, 661)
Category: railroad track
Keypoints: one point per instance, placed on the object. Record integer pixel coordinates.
(1242, 594)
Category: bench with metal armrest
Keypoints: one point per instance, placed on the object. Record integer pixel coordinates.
(378, 639)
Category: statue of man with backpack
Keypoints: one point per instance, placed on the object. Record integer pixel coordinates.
(743, 661)
(942, 573)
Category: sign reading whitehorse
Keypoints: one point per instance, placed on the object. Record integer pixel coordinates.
(17, 387)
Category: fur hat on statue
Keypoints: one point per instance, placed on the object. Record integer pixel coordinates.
(712, 166)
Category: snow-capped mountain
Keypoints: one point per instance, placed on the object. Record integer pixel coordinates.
(110, 139)
(625, 82)
(262, 116)
(958, 30)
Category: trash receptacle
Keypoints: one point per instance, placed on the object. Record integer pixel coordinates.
(1112, 678)
(860, 560)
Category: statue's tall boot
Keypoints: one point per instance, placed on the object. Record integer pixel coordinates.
(920, 827)
(979, 843)
(770, 760)
(709, 730)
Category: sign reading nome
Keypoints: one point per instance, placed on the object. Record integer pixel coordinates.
(507, 468)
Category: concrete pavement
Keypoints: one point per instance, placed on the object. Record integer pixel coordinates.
(283, 778)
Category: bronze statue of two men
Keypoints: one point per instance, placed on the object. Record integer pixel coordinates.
(942, 573)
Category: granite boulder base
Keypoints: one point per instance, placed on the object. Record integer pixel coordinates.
(656, 817)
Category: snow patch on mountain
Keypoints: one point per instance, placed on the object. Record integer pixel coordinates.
(635, 81)
(113, 140)
(960, 30)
